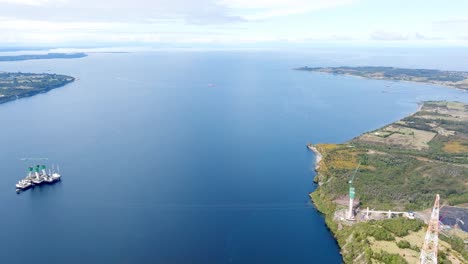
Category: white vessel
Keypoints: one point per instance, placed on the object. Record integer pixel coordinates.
(38, 175)
(48, 179)
(23, 184)
(37, 178)
(56, 176)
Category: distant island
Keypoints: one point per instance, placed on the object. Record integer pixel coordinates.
(18, 85)
(399, 167)
(43, 56)
(456, 79)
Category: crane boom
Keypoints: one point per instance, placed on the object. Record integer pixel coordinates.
(354, 173)
(431, 240)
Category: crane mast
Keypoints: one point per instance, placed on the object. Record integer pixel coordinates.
(352, 193)
(431, 240)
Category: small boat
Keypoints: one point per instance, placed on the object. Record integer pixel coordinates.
(56, 176)
(48, 179)
(23, 184)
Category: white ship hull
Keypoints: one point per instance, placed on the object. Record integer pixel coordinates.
(23, 186)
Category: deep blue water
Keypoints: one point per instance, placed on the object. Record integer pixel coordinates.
(160, 166)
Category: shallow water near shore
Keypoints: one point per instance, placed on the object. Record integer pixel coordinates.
(184, 157)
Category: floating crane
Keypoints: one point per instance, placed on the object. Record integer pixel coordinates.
(431, 241)
(352, 193)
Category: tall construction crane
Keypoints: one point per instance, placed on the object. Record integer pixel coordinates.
(431, 241)
(352, 193)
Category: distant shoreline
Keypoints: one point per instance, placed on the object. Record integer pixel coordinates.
(452, 79)
(109, 52)
(43, 56)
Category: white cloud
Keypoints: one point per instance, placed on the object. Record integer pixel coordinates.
(44, 26)
(451, 27)
(211, 21)
(29, 2)
(420, 36)
(388, 36)
(281, 4)
(458, 21)
(45, 32)
(199, 11)
(263, 9)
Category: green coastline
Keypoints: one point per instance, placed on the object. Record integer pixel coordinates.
(402, 166)
(42, 56)
(17, 85)
(453, 79)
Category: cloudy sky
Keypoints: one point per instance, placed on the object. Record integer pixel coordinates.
(233, 22)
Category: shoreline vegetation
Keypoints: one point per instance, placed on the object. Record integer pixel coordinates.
(43, 56)
(402, 166)
(454, 79)
(18, 85)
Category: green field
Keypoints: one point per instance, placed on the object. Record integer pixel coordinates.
(403, 166)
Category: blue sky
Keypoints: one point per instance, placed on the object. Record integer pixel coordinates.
(233, 22)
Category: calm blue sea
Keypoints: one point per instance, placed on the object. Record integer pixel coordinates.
(188, 157)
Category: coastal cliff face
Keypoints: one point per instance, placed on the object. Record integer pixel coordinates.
(403, 166)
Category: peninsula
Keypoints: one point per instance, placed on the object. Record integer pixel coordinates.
(43, 56)
(18, 85)
(399, 167)
(455, 79)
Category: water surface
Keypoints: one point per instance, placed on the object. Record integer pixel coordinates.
(184, 157)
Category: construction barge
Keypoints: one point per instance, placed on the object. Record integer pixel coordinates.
(36, 176)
